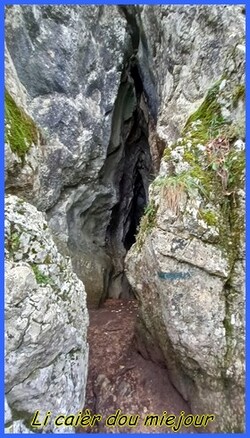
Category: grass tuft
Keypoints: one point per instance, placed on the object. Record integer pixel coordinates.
(20, 130)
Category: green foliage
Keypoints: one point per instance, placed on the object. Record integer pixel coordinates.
(216, 169)
(209, 116)
(184, 179)
(219, 169)
(191, 181)
(13, 241)
(167, 154)
(150, 211)
(235, 164)
(209, 217)
(234, 131)
(40, 277)
(239, 93)
(147, 223)
(20, 130)
(228, 167)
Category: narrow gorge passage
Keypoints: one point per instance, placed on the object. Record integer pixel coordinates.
(124, 178)
(120, 378)
(125, 200)
(129, 167)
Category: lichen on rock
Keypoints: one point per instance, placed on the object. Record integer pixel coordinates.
(111, 88)
(196, 318)
(46, 321)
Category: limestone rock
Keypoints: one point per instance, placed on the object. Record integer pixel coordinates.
(73, 67)
(187, 270)
(110, 89)
(107, 84)
(187, 266)
(46, 320)
(75, 59)
(186, 50)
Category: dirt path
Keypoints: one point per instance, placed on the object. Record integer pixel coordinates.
(120, 378)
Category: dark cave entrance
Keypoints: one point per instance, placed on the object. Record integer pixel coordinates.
(139, 202)
(133, 175)
(140, 184)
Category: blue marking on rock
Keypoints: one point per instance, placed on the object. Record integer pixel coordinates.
(174, 275)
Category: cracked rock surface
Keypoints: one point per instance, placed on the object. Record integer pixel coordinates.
(46, 320)
(128, 107)
(187, 266)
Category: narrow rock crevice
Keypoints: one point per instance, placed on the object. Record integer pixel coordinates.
(131, 177)
(148, 328)
(102, 218)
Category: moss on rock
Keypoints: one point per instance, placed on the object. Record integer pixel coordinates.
(41, 278)
(215, 168)
(20, 130)
(238, 93)
(209, 115)
(209, 217)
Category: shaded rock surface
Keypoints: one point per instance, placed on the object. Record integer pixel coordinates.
(186, 49)
(46, 355)
(90, 104)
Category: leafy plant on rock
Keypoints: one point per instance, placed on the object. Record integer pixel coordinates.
(41, 278)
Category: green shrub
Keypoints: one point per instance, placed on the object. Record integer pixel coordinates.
(13, 241)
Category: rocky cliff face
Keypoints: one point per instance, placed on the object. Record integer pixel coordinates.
(95, 94)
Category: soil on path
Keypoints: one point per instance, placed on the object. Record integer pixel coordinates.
(120, 378)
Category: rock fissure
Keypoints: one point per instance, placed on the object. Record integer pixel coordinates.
(131, 181)
(125, 189)
(124, 181)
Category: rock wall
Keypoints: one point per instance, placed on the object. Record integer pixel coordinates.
(78, 69)
(88, 76)
(187, 266)
(46, 358)
(95, 94)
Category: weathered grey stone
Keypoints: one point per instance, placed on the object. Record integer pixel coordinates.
(86, 93)
(111, 88)
(46, 320)
(17, 427)
(78, 86)
(187, 270)
(7, 412)
(13, 83)
(75, 66)
(187, 266)
(187, 49)
(22, 177)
